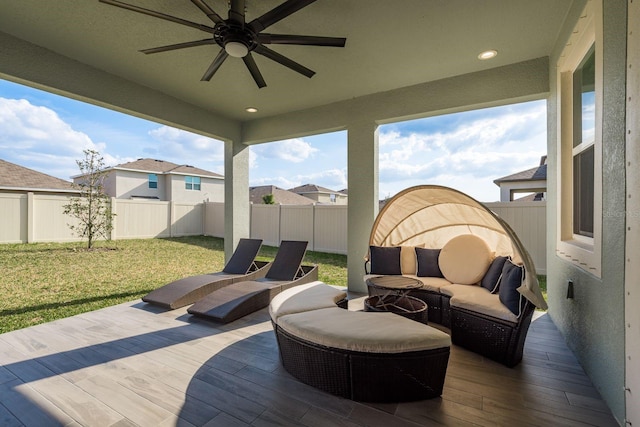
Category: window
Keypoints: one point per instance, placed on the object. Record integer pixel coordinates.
(584, 116)
(332, 198)
(192, 183)
(153, 180)
(580, 144)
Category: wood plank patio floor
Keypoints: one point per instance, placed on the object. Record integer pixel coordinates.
(133, 364)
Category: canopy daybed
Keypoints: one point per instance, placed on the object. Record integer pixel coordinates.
(434, 217)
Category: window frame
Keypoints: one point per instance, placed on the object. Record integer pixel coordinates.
(153, 181)
(581, 250)
(191, 182)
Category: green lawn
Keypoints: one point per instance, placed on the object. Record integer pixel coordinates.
(47, 281)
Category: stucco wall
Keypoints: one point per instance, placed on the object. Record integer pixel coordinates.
(593, 321)
(136, 184)
(211, 190)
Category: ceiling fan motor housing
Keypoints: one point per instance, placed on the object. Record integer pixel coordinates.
(225, 32)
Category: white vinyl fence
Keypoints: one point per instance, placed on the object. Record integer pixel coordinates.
(39, 218)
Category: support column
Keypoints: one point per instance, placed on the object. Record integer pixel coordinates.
(236, 195)
(362, 166)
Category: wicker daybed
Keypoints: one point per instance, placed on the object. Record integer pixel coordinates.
(478, 279)
(371, 357)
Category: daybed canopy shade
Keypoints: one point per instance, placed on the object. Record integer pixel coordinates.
(431, 215)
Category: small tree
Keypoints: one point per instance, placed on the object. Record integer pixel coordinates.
(93, 208)
(268, 199)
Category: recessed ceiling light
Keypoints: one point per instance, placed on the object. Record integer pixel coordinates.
(251, 110)
(487, 54)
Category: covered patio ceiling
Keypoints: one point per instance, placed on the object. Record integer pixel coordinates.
(89, 50)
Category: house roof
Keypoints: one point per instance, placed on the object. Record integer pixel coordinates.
(311, 188)
(165, 167)
(16, 177)
(539, 173)
(282, 197)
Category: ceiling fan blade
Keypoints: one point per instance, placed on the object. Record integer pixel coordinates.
(217, 62)
(253, 69)
(236, 12)
(178, 46)
(207, 11)
(278, 13)
(281, 59)
(265, 38)
(155, 14)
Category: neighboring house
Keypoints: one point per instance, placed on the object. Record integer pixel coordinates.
(161, 180)
(321, 194)
(18, 179)
(281, 197)
(532, 180)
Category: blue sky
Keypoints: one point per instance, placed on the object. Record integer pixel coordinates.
(466, 151)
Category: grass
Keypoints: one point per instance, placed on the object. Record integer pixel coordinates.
(47, 281)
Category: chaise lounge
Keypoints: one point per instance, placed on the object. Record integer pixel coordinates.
(241, 298)
(242, 266)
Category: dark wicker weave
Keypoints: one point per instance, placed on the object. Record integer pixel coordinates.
(434, 303)
(498, 340)
(369, 377)
(493, 338)
(409, 307)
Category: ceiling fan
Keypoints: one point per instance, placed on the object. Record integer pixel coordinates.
(238, 38)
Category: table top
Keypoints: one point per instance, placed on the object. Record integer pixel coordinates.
(394, 282)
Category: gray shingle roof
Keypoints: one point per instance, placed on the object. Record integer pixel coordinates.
(282, 197)
(539, 173)
(14, 176)
(165, 167)
(311, 188)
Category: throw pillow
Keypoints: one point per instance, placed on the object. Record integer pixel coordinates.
(428, 262)
(512, 277)
(385, 260)
(491, 279)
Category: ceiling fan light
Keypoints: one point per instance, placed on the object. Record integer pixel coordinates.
(236, 49)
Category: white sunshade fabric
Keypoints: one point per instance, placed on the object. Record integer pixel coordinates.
(430, 215)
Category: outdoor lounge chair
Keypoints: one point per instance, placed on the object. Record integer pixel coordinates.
(241, 266)
(239, 299)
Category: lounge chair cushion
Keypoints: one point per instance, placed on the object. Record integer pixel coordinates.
(428, 262)
(511, 280)
(465, 259)
(484, 302)
(363, 331)
(408, 262)
(491, 279)
(310, 296)
(385, 260)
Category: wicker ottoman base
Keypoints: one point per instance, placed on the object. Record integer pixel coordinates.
(367, 377)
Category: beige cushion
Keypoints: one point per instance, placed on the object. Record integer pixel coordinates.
(455, 290)
(310, 296)
(433, 284)
(484, 303)
(465, 259)
(408, 261)
(363, 331)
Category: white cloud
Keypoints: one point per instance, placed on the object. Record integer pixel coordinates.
(292, 150)
(182, 147)
(469, 156)
(37, 138)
